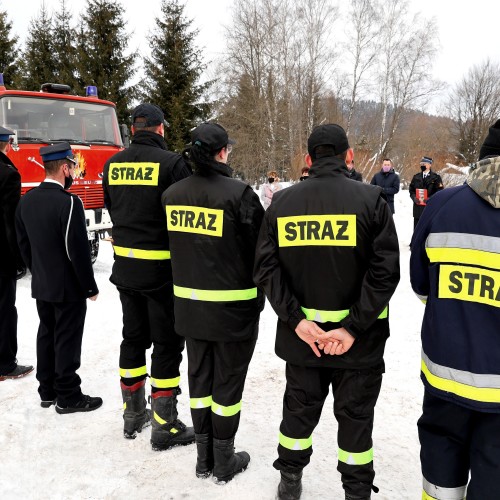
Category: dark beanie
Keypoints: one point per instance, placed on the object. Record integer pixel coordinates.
(491, 145)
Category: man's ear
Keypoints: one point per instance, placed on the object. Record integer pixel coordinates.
(308, 160)
(349, 156)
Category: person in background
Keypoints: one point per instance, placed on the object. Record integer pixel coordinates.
(213, 223)
(423, 185)
(352, 173)
(11, 263)
(268, 189)
(454, 269)
(52, 236)
(304, 174)
(388, 180)
(133, 182)
(328, 260)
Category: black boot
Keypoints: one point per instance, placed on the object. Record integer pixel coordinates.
(205, 460)
(290, 487)
(356, 497)
(227, 463)
(167, 431)
(135, 415)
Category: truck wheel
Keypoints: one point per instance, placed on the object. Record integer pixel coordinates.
(94, 247)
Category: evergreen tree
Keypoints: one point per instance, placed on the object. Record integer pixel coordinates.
(102, 43)
(37, 64)
(173, 73)
(65, 49)
(8, 42)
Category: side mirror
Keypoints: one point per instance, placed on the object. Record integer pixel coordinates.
(125, 135)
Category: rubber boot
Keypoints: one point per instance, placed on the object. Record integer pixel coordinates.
(167, 431)
(290, 487)
(355, 497)
(205, 459)
(227, 463)
(135, 415)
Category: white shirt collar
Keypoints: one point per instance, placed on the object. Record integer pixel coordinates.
(53, 181)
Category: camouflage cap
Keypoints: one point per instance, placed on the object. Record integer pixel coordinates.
(484, 179)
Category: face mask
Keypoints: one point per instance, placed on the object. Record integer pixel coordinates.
(68, 181)
(422, 167)
(386, 168)
(270, 180)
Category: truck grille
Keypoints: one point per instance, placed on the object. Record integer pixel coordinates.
(92, 196)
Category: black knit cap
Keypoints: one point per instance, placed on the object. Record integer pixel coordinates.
(328, 135)
(491, 145)
(211, 135)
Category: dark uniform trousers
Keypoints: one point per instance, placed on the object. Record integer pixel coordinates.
(8, 324)
(59, 347)
(355, 393)
(454, 439)
(217, 373)
(148, 319)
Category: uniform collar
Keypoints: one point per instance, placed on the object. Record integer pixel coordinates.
(328, 166)
(148, 138)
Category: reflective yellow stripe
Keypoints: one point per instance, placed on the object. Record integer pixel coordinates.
(350, 458)
(165, 383)
(200, 403)
(333, 316)
(136, 253)
(425, 496)
(124, 406)
(160, 420)
(133, 372)
(226, 411)
(214, 295)
(482, 394)
(464, 256)
(295, 444)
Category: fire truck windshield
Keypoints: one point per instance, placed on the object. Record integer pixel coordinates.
(47, 120)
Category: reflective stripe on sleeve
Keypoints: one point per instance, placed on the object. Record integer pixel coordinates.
(423, 298)
(214, 295)
(200, 403)
(484, 388)
(294, 443)
(133, 372)
(136, 253)
(333, 316)
(350, 458)
(433, 492)
(165, 383)
(226, 411)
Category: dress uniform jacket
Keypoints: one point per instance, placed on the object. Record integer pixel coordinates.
(133, 182)
(52, 236)
(328, 251)
(455, 268)
(213, 223)
(432, 182)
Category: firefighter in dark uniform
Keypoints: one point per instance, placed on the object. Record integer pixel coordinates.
(423, 185)
(11, 264)
(455, 269)
(213, 223)
(328, 260)
(52, 236)
(133, 182)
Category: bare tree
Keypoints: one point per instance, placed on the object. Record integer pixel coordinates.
(474, 104)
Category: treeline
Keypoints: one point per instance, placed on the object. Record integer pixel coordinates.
(289, 65)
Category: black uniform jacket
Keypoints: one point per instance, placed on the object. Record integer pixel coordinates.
(354, 175)
(329, 244)
(133, 182)
(433, 183)
(10, 193)
(213, 224)
(389, 182)
(52, 236)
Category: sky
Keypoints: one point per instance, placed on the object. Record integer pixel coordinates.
(465, 37)
(84, 456)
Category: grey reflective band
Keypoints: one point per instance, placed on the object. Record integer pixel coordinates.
(137, 253)
(463, 240)
(322, 316)
(214, 295)
(440, 493)
(423, 298)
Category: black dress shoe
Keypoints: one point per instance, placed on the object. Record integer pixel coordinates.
(86, 403)
(18, 372)
(48, 403)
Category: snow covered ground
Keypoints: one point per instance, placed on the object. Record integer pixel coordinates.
(84, 456)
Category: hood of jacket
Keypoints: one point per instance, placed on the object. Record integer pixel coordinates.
(484, 180)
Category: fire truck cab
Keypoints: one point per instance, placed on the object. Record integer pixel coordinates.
(53, 115)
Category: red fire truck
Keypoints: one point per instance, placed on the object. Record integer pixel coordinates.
(53, 115)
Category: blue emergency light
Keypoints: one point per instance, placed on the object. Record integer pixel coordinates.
(91, 91)
(1, 79)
